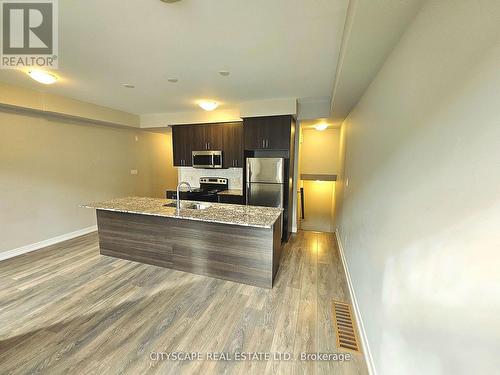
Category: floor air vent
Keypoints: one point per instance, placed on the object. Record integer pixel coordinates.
(344, 326)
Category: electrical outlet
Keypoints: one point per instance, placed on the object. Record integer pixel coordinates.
(133, 171)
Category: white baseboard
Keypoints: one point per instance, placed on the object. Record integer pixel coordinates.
(364, 339)
(51, 241)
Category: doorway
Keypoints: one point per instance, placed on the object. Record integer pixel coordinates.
(318, 164)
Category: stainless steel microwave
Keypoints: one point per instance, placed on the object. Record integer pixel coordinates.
(207, 159)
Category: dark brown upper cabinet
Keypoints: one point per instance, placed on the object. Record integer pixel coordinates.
(182, 138)
(207, 137)
(225, 137)
(267, 133)
(233, 145)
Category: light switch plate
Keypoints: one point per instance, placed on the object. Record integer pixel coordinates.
(133, 171)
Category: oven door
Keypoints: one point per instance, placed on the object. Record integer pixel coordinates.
(207, 159)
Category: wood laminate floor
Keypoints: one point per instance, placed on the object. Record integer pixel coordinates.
(68, 309)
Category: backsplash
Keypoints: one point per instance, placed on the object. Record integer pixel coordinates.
(192, 175)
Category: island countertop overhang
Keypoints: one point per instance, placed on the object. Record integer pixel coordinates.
(232, 214)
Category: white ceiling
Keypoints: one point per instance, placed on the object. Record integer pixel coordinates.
(273, 49)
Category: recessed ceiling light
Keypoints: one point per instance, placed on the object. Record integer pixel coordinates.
(208, 105)
(224, 73)
(128, 86)
(170, 1)
(172, 80)
(320, 127)
(42, 77)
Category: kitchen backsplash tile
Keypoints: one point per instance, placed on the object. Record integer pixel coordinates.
(192, 176)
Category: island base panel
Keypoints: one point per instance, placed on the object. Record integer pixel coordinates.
(243, 254)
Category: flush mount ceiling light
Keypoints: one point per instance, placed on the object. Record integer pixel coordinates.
(42, 77)
(320, 127)
(172, 80)
(224, 73)
(128, 86)
(208, 105)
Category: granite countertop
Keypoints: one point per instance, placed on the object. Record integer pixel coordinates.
(231, 192)
(250, 216)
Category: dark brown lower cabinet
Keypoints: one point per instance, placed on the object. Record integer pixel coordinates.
(232, 199)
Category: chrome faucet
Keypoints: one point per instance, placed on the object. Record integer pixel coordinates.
(179, 195)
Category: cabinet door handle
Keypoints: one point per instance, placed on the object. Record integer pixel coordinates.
(267, 143)
(263, 143)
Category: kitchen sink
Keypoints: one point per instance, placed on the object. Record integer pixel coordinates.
(189, 205)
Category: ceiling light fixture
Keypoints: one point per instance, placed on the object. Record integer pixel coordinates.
(128, 86)
(224, 73)
(172, 80)
(208, 105)
(42, 77)
(320, 127)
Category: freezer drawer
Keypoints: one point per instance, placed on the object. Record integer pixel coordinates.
(268, 170)
(268, 195)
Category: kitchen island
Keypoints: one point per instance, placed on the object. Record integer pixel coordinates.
(232, 242)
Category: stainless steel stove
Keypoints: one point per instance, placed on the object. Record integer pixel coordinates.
(207, 192)
(209, 187)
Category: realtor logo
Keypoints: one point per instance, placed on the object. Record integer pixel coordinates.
(28, 33)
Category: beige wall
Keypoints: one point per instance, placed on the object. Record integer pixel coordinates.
(420, 218)
(319, 151)
(48, 167)
(167, 163)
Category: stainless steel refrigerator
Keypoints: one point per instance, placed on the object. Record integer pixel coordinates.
(265, 182)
